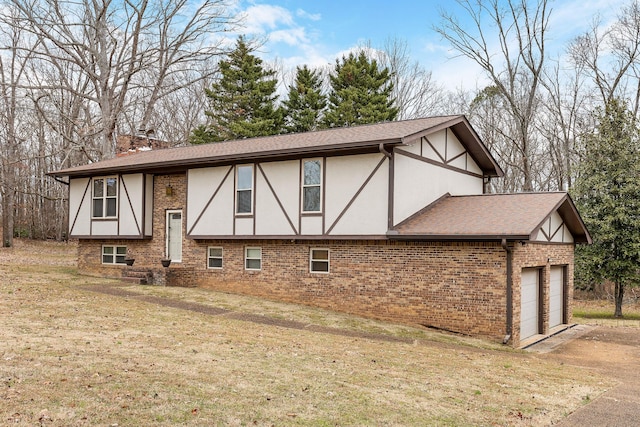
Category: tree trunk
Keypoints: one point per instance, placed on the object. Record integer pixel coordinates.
(618, 295)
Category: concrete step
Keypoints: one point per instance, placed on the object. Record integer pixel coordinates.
(135, 280)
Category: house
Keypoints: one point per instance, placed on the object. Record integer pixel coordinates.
(389, 221)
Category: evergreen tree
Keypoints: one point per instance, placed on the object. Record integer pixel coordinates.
(360, 93)
(607, 193)
(242, 102)
(306, 102)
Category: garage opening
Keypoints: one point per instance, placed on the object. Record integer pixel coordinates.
(529, 303)
(556, 296)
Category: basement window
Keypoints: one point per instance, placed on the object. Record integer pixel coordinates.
(252, 258)
(114, 254)
(319, 260)
(214, 257)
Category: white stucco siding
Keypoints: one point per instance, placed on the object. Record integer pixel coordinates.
(79, 209)
(277, 198)
(108, 227)
(368, 212)
(345, 176)
(208, 215)
(131, 196)
(444, 146)
(554, 230)
(417, 184)
(311, 225)
(244, 226)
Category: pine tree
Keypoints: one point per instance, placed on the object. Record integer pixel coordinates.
(243, 102)
(607, 194)
(306, 102)
(360, 93)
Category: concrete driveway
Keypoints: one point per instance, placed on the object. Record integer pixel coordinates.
(609, 351)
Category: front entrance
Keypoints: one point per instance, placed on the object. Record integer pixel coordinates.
(529, 302)
(174, 236)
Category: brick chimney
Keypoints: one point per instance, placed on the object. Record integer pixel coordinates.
(142, 141)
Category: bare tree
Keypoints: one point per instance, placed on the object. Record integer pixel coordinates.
(610, 57)
(112, 43)
(513, 60)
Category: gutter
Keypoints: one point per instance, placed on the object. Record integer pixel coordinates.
(509, 325)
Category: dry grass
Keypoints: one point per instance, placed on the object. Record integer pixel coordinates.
(71, 356)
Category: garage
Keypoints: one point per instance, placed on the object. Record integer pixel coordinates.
(556, 296)
(529, 302)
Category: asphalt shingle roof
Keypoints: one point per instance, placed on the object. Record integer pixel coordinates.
(491, 216)
(308, 143)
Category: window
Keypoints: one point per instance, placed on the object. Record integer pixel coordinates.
(319, 261)
(252, 258)
(114, 254)
(105, 196)
(311, 185)
(244, 189)
(214, 257)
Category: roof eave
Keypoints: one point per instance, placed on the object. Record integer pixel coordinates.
(394, 235)
(229, 159)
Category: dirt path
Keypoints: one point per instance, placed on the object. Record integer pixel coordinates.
(613, 352)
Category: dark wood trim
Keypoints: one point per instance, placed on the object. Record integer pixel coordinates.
(291, 237)
(308, 214)
(126, 191)
(435, 163)
(110, 237)
(457, 157)
(235, 196)
(355, 196)
(444, 160)
(557, 229)
(544, 233)
(264, 175)
(215, 193)
(446, 144)
(75, 218)
(323, 192)
(110, 219)
(456, 237)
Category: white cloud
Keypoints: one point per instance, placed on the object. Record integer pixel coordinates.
(259, 19)
(306, 15)
(292, 36)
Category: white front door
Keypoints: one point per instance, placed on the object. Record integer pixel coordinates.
(529, 305)
(556, 296)
(174, 235)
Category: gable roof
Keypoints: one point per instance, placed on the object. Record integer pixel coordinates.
(491, 217)
(346, 140)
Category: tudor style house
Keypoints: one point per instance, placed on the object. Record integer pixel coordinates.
(389, 221)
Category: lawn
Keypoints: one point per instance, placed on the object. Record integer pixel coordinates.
(74, 356)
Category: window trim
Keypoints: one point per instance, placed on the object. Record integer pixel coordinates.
(209, 257)
(115, 255)
(247, 258)
(250, 189)
(312, 260)
(303, 186)
(104, 197)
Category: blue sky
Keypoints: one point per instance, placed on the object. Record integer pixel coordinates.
(317, 32)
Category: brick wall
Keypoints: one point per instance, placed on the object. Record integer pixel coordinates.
(456, 286)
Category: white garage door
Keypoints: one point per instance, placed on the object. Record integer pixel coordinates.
(529, 303)
(556, 296)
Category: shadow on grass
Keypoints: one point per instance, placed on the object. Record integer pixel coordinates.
(590, 314)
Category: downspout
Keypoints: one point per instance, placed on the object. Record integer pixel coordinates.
(509, 325)
(390, 187)
(383, 151)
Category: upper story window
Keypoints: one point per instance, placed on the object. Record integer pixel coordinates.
(244, 189)
(105, 197)
(311, 185)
